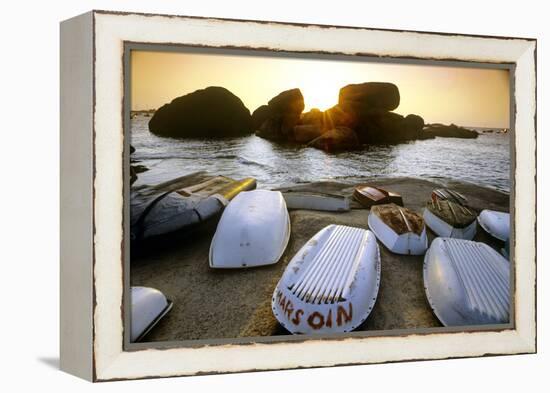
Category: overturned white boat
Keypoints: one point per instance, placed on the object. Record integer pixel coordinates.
(450, 219)
(400, 229)
(467, 283)
(331, 284)
(496, 224)
(149, 306)
(253, 231)
(316, 201)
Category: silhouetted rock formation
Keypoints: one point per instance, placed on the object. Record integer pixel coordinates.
(362, 98)
(213, 112)
(339, 138)
(363, 115)
(451, 131)
(380, 127)
(304, 133)
(278, 118)
(259, 116)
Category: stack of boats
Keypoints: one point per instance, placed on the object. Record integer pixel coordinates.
(331, 284)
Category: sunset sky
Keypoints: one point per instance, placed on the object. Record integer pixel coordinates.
(464, 96)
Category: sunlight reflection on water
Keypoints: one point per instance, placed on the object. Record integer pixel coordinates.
(484, 161)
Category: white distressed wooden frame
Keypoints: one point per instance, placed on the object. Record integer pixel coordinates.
(92, 157)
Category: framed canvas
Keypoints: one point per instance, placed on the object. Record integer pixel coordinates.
(194, 150)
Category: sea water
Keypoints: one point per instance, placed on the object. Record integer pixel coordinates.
(483, 161)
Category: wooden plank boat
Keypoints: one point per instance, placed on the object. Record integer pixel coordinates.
(331, 284)
(446, 194)
(467, 283)
(450, 219)
(253, 231)
(400, 229)
(368, 195)
(181, 203)
(496, 224)
(149, 306)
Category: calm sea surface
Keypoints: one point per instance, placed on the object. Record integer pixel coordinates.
(484, 161)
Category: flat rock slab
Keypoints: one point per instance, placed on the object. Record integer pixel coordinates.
(210, 304)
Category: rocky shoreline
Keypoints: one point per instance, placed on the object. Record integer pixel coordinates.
(364, 115)
(210, 303)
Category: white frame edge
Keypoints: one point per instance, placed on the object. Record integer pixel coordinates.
(110, 361)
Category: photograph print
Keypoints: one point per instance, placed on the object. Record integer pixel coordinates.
(282, 194)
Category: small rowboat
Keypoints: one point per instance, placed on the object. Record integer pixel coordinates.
(496, 224)
(181, 203)
(400, 229)
(331, 284)
(467, 283)
(446, 194)
(449, 219)
(368, 196)
(149, 306)
(253, 231)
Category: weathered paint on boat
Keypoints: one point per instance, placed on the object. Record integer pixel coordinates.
(496, 224)
(149, 306)
(467, 283)
(449, 219)
(181, 203)
(400, 229)
(446, 194)
(253, 231)
(315, 201)
(331, 284)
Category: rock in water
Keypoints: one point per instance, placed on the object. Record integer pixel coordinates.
(336, 116)
(281, 115)
(381, 127)
(288, 102)
(313, 117)
(260, 115)
(414, 122)
(213, 112)
(339, 138)
(358, 98)
(451, 131)
(305, 133)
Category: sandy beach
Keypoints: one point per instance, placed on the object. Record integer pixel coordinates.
(212, 303)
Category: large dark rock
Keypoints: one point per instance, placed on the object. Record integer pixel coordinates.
(449, 131)
(339, 138)
(305, 133)
(281, 115)
(260, 115)
(288, 102)
(313, 117)
(381, 127)
(361, 98)
(213, 112)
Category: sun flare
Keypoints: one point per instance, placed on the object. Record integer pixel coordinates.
(438, 94)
